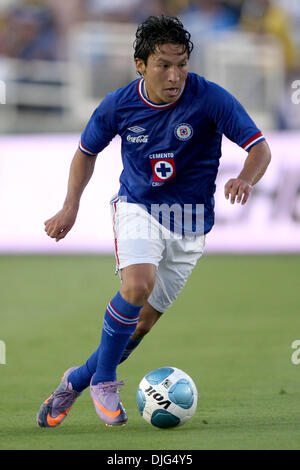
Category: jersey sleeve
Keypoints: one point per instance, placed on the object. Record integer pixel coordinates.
(232, 119)
(100, 129)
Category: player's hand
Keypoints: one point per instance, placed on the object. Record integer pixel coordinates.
(238, 190)
(58, 226)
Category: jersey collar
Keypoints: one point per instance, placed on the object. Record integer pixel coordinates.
(143, 95)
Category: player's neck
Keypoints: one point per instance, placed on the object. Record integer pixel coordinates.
(146, 95)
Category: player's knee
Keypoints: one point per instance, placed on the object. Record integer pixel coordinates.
(137, 290)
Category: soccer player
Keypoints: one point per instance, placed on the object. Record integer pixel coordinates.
(171, 124)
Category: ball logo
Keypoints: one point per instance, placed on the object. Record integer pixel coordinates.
(158, 397)
(183, 131)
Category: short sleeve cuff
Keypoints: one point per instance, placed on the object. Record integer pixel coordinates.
(258, 137)
(86, 150)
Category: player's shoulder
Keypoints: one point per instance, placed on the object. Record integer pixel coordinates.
(213, 96)
(210, 90)
(198, 83)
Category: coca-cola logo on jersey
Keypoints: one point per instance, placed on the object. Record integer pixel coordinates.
(138, 139)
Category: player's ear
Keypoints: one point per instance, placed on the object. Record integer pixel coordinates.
(140, 66)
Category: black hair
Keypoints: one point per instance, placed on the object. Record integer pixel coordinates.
(158, 30)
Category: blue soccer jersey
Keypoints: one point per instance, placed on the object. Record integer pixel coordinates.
(171, 152)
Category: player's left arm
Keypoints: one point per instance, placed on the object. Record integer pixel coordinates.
(255, 166)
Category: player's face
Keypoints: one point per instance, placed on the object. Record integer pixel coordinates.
(165, 73)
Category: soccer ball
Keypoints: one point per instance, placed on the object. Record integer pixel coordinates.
(167, 397)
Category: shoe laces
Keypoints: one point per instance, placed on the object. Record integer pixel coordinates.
(64, 399)
(110, 387)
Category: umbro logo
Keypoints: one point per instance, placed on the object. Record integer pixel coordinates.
(109, 330)
(136, 129)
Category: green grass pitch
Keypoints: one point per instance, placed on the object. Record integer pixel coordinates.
(231, 329)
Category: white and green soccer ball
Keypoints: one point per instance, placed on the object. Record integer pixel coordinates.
(167, 397)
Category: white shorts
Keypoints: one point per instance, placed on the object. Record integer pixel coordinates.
(139, 238)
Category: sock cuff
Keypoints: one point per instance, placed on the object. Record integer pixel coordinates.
(121, 305)
(123, 312)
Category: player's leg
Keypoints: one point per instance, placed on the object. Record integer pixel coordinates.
(121, 318)
(137, 257)
(81, 377)
(148, 317)
(120, 321)
(174, 270)
(137, 282)
(172, 274)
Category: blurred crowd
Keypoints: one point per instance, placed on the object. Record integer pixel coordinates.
(37, 29)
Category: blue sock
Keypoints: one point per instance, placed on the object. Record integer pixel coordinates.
(119, 323)
(81, 377)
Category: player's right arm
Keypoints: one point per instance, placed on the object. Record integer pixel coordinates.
(81, 170)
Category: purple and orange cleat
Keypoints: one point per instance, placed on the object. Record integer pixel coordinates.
(55, 409)
(107, 403)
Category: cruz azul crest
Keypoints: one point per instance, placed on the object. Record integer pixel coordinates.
(183, 131)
